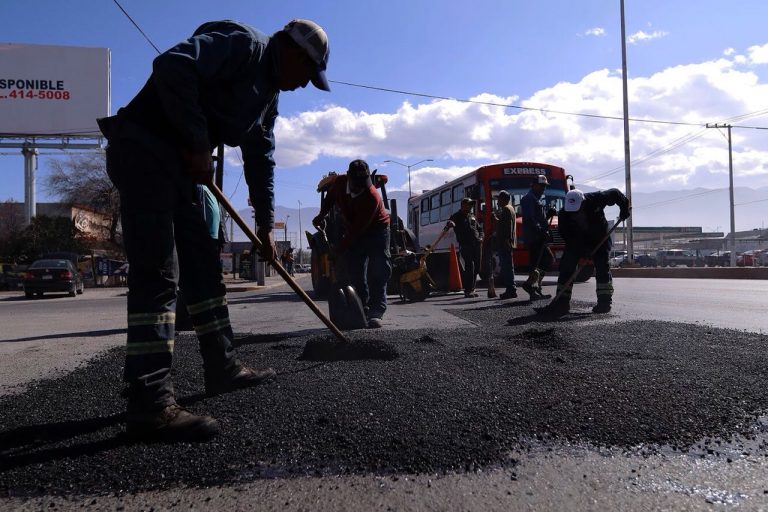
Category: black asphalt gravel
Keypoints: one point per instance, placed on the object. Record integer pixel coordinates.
(450, 401)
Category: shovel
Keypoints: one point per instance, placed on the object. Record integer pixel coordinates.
(344, 305)
(275, 264)
(543, 310)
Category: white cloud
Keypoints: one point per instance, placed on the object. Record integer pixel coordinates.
(595, 31)
(462, 136)
(642, 36)
(758, 54)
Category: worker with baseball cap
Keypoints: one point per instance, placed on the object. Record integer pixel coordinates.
(536, 236)
(362, 255)
(506, 241)
(470, 238)
(220, 86)
(583, 226)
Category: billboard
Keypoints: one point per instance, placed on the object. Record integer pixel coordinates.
(53, 90)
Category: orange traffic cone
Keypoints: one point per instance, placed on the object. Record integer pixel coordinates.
(454, 276)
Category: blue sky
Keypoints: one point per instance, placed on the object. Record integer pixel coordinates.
(694, 62)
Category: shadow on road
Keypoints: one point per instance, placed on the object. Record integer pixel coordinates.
(84, 334)
(28, 445)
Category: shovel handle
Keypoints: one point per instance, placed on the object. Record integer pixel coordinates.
(275, 264)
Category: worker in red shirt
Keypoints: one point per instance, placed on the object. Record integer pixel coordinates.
(364, 248)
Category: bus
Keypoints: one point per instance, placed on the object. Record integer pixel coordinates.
(429, 211)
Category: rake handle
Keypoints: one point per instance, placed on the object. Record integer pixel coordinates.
(275, 264)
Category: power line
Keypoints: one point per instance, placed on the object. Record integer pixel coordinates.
(519, 107)
(667, 201)
(750, 202)
(137, 26)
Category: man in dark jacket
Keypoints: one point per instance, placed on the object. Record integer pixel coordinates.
(537, 236)
(220, 86)
(583, 225)
(470, 238)
(364, 249)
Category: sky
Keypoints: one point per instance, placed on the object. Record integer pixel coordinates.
(543, 80)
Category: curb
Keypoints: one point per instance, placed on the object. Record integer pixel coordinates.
(694, 272)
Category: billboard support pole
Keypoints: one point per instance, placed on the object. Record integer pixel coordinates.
(30, 196)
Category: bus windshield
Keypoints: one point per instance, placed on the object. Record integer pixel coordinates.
(554, 194)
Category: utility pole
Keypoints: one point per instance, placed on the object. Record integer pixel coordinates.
(300, 232)
(627, 174)
(730, 185)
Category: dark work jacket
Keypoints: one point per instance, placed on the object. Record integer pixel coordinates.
(505, 226)
(218, 86)
(582, 230)
(467, 229)
(534, 217)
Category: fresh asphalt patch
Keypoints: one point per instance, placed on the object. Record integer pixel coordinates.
(451, 401)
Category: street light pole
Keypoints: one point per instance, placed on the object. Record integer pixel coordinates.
(299, 228)
(285, 228)
(408, 166)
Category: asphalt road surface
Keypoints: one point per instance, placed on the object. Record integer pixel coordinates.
(659, 405)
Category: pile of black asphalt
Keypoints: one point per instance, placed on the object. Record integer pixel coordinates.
(458, 400)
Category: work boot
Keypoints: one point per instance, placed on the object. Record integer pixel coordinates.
(235, 377)
(529, 289)
(555, 309)
(602, 307)
(170, 424)
(374, 323)
(509, 294)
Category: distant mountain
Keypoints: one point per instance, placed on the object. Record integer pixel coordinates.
(700, 207)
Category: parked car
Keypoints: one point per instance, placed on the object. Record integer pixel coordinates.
(52, 275)
(762, 258)
(747, 258)
(641, 260)
(722, 259)
(678, 257)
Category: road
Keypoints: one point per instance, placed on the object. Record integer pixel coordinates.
(51, 337)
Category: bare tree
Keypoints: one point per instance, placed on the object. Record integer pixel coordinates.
(83, 180)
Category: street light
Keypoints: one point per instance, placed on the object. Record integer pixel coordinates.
(409, 170)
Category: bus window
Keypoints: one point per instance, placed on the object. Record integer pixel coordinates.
(434, 209)
(456, 196)
(424, 219)
(445, 201)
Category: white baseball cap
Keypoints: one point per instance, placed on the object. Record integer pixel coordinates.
(573, 200)
(542, 180)
(312, 39)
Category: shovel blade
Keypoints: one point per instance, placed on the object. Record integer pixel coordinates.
(346, 309)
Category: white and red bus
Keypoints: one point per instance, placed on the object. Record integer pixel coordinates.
(429, 211)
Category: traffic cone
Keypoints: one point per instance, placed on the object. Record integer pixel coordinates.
(454, 276)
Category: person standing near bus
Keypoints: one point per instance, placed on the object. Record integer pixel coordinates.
(470, 238)
(506, 240)
(537, 236)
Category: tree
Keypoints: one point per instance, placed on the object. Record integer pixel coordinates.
(83, 180)
(43, 235)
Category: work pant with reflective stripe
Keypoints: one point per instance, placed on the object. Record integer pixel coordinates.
(603, 279)
(167, 244)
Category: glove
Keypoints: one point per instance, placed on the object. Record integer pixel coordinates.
(448, 225)
(624, 214)
(583, 262)
(319, 222)
(198, 166)
(551, 213)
